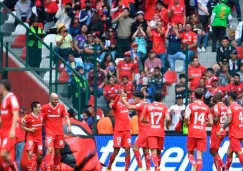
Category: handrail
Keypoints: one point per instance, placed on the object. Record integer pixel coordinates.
(48, 47)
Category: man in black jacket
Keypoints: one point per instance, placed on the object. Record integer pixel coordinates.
(139, 22)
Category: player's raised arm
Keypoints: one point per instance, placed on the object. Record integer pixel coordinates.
(128, 105)
(168, 119)
(187, 115)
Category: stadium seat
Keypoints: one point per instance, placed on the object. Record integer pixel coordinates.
(170, 77)
(45, 63)
(23, 55)
(11, 19)
(47, 76)
(19, 42)
(118, 59)
(20, 29)
(63, 77)
(240, 52)
(50, 38)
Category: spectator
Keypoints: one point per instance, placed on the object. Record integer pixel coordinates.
(180, 88)
(220, 16)
(224, 51)
(111, 90)
(127, 86)
(235, 3)
(64, 41)
(80, 40)
(176, 13)
(106, 124)
(175, 111)
(239, 34)
(73, 63)
(211, 4)
(149, 9)
(124, 23)
(86, 116)
(157, 34)
(202, 86)
(105, 63)
(216, 88)
(147, 89)
(174, 50)
(139, 22)
(223, 73)
(162, 11)
(125, 67)
(34, 45)
(100, 81)
(156, 18)
(151, 63)
(115, 12)
(110, 42)
(190, 38)
(86, 14)
(158, 81)
(234, 63)
(241, 72)
(23, 11)
(75, 26)
(203, 13)
(195, 72)
(236, 87)
(137, 62)
(209, 77)
(111, 72)
(181, 126)
(77, 88)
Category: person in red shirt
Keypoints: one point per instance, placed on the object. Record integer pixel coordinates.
(216, 88)
(237, 87)
(209, 77)
(157, 34)
(195, 72)
(141, 140)
(53, 113)
(8, 121)
(220, 113)
(163, 12)
(125, 67)
(195, 118)
(149, 6)
(176, 13)
(122, 135)
(235, 123)
(111, 90)
(155, 114)
(32, 123)
(127, 86)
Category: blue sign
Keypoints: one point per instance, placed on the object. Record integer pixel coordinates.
(174, 156)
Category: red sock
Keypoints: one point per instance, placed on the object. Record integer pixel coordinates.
(147, 161)
(228, 162)
(241, 159)
(127, 164)
(48, 160)
(217, 162)
(57, 159)
(199, 165)
(29, 165)
(112, 158)
(138, 158)
(159, 159)
(155, 160)
(191, 159)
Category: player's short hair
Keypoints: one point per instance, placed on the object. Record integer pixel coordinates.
(6, 84)
(125, 77)
(232, 94)
(198, 93)
(158, 96)
(210, 70)
(218, 96)
(34, 105)
(138, 94)
(236, 75)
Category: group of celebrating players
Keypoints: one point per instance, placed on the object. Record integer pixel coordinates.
(51, 114)
(198, 116)
(152, 118)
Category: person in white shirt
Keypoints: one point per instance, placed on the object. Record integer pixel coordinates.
(175, 110)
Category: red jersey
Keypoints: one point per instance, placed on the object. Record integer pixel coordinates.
(164, 15)
(196, 73)
(158, 41)
(155, 112)
(198, 112)
(236, 126)
(20, 133)
(178, 14)
(208, 82)
(237, 88)
(150, 7)
(51, 7)
(125, 69)
(135, 65)
(121, 115)
(219, 89)
(32, 121)
(9, 104)
(189, 37)
(139, 108)
(110, 92)
(53, 118)
(128, 88)
(220, 109)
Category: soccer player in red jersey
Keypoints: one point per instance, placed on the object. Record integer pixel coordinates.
(142, 138)
(32, 123)
(54, 139)
(8, 122)
(154, 114)
(195, 117)
(220, 113)
(235, 123)
(122, 135)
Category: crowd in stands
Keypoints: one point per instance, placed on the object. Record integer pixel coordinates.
(136, 42)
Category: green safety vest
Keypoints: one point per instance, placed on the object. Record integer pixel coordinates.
(31, 42)
(222, 12)
(77, 80)
(184, 129)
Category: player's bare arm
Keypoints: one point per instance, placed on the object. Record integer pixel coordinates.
(14, 123)
(216, 119)
(68, 123)
(25, 128)
(187, 115)
(210, 120)
(168, 120)
(129, 106)
(226, 124)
